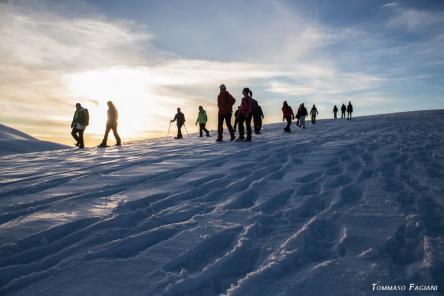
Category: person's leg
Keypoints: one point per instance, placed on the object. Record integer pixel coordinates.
(248, 124)
(230, 128)
(220, 128)
(205, 129)
(116, 135)
(288, 127)
(74, 133)
(201, 130)
(81, 142)
(105, 137)
(260, 124)
(241, 126)
(255, 124)
(303, 121)
(179, 131)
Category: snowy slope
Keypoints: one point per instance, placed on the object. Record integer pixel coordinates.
(324, 211)
(13, 141)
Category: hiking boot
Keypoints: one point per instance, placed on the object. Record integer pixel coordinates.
(248, 140)
(239, 139)
(77, 144)
(233, 138)
(81, 147)
(218, 140)
(102, 145)
(118, 144)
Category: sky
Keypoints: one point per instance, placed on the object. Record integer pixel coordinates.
(150, 57)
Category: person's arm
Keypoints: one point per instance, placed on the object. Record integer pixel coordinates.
(174, 119)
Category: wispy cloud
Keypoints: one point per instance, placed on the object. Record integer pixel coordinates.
(413, 19)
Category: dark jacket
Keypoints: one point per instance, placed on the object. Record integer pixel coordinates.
(335, 109)
(343, 108)
(225, 102)
(287, 112)
(81, 118)
(180, 118)
(350, 108)
(303, 111)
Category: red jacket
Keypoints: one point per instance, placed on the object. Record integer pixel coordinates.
(225, 102)
(246, 105)
(287, 111)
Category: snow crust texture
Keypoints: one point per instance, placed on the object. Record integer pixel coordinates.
(328, 210)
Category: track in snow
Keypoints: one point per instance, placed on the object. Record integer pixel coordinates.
(353, 203)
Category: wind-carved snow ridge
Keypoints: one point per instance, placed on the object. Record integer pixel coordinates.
(328, 210)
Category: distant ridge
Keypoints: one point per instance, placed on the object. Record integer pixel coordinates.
(13, 141)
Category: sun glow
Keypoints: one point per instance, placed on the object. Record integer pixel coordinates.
(128, 88)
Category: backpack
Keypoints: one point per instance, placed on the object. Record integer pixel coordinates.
(86, 114)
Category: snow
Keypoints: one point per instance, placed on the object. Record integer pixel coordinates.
(329, 210)
(13, 141)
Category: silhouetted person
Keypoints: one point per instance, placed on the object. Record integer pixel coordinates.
(111, 124)
(313, 113)
(257, 116)
(335, 112)
(349, 110)
(79, 122)
(225, 102)
(287, 114)
(202, 120)
(302, 113)
(245, 115)
(343, 109)
(298, 115)
(180, 122)
(236, 118)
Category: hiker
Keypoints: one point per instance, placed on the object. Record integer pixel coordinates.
(180, 122)
(111, 124)
(335, 112)
(349, 110)
(202, 120)
(313, 113)
(298, 115)
(225, 102)
(236, 119)
(257, 116)
(79, 122)
(303, 112)
(245, 115)
(287, 114)
(343, 108)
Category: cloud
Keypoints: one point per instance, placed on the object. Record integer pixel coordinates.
(413, 19)
(389, 4)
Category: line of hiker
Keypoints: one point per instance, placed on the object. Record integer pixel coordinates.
(249, 110)
(348, 109)
(81, 120)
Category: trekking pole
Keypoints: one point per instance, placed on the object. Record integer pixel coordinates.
(186, 130)
(169, 129)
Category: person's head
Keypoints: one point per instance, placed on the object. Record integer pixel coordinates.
(222, 87)
(200, 108)
(246, 91)
(314, 106)
(178, 110)
(285, 104)
(349, 102)
(78, 106)
(302, 105)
